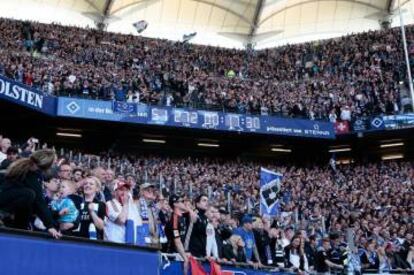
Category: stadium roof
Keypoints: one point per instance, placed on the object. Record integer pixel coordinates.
(230, 23)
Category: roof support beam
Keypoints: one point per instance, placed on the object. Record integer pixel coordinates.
(257, 13)
(108, 6)
(390, 5)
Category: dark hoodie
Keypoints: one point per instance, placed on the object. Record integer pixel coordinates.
(198, 240)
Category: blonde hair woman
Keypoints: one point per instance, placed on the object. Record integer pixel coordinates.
(92, 212)
(22, 193)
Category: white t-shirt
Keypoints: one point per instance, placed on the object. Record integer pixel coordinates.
(211, 247)
(114, 232)
(295, 261)
(3, 156)
(346, 114)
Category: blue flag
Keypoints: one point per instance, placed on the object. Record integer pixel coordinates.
(270, 184)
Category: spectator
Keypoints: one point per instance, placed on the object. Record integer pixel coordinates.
(410, 257)
(198, 240)
(117, 213)
(146, 208)
(29, 147)
(92, 212)
(262, 241)
(323, 264)
(101, 174)
(277, 246)
(22, 193)
(51, 189)
(369, 258)
(68, 213)
(12, 155)
(110, 175)
(374, 198)
(308, 79)
(164, 217)
(77, 175)
(311, 251)
(176, 229)
(295, 256)
(390, 260)
(233, 249)
(65, 172)
(5, 144)
(246, 232)
(211, 241)
(346, 114)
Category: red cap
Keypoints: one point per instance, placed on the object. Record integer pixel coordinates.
(120, 184)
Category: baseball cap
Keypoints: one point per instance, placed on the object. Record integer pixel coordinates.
(120, 184)
(343, 244)
(174, 198)
(246, 219)
(223, 210)
(389, 245)
(146, 185)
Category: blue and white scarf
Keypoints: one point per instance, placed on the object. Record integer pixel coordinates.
(143, 206)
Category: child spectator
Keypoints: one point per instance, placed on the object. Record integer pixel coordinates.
(68, 212)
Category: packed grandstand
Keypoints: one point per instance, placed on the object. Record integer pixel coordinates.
(321, 217)
(336, 79)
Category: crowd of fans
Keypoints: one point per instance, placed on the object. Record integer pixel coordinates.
(330, 219)
(336, 79)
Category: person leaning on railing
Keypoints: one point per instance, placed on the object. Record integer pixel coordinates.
(22, 193)
(233, 250)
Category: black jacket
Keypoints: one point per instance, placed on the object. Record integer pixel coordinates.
(198, 239)
(262, 243)
(34, 181)
(310, 253)
(228, 253)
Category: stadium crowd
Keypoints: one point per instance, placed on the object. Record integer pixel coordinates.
(336, 79)
(330, 219)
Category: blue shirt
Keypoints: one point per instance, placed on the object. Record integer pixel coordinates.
(60, 204)
(249, 241)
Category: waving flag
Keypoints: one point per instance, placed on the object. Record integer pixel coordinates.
(196, 267)
(270, 184)
(133, 225)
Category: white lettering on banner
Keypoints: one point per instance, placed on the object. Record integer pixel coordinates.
(3, 86)
(211, 120)
(317, 133)
(279, 129)
(142, 114)
(21, 94)
(12, 93)
(297, 131)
